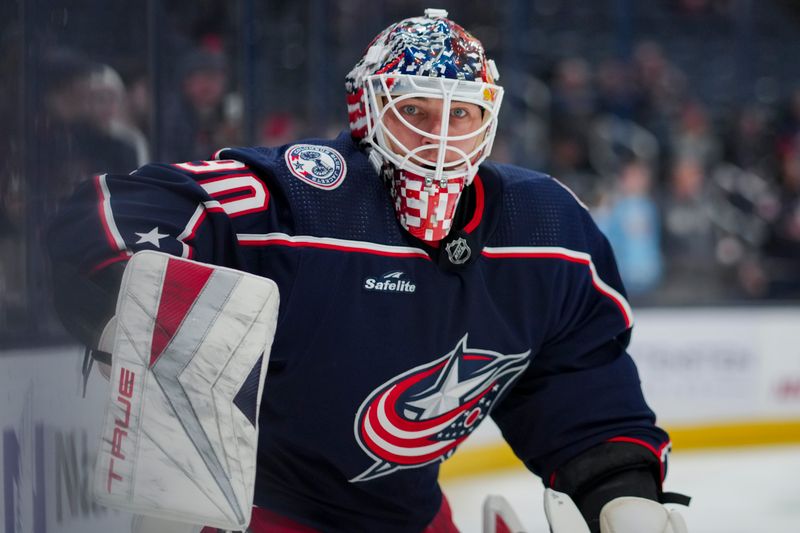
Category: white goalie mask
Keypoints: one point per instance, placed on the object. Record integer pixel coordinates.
(424, 101)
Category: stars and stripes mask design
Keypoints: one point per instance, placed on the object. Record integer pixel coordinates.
(422, 415)
(434, 59)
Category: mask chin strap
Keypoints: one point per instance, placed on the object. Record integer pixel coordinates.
(439, 176)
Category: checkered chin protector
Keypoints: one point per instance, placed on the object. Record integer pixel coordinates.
(406, 97)
(424, 209)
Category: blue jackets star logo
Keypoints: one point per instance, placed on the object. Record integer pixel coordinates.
(422, 415)
(151, 237)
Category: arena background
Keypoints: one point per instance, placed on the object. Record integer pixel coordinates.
(676, 121)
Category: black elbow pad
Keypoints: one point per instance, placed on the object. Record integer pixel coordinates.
(607, 471)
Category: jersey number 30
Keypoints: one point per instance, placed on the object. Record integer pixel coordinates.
(237, 193)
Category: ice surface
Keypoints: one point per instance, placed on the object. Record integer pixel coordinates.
(742, 490)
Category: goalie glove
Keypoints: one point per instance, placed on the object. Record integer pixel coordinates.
(190, 355)
(620, 515)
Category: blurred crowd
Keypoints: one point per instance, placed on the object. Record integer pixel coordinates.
(701, 202)
(701, 205)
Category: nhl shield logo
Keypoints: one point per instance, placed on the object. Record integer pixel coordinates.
(458, 251)
(319, 166)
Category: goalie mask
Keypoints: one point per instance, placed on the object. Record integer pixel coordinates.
(423, 99)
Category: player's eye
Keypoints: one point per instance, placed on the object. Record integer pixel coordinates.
(410, 109)
(459, 112)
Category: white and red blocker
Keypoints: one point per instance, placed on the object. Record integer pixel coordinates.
(189, 362)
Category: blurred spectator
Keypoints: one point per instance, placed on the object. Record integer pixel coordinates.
(781, 251)
(616, 92)
(73, 133)
(139, 99)
(108, 111)
(630, 220)
(749, 141)
(744, 203)
(662, 87)
(573, 100)
(614, 140)
(789, 124)
(572, 109)
(12, 249)
(11, 157)
(690, 242)
(12, 207)
(693, 136)
(204, 117)
(66, 103)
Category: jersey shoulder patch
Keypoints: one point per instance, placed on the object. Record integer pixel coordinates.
(320, 166)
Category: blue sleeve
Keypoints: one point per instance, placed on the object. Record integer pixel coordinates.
(158, 207)
(582, 388)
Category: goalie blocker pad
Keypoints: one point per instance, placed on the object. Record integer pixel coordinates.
(189, 361)
(621, 515)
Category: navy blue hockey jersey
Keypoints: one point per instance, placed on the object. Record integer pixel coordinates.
(389, 352)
